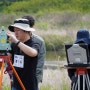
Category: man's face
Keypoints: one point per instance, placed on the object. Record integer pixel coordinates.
(19, 33)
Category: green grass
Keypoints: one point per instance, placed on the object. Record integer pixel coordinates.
(56, 21)
(36, 6)
(48, 88)
(6, 87)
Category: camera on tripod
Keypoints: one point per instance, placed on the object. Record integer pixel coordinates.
(4, 44)
(77, 55)
(78, 64)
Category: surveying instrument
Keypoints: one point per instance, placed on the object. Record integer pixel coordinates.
(4, 48)
(78, 59)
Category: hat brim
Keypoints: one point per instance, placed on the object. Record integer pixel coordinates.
(24, 27)
(85, 40)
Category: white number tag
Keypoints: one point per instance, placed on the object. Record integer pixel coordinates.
(18, 61)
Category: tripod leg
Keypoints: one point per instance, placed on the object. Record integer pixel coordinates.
(84, 81)
(1, 71)
(87, 82)
(18, 78)
(74, 86)
(14, 71)
(74, 82)
(78, 82)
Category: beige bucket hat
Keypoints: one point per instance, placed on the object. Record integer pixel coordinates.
(22, 24)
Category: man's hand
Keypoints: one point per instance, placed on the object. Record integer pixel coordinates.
(12, 37)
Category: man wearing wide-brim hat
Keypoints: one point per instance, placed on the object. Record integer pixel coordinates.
(81, 38)
(24, 54)
(42, 52)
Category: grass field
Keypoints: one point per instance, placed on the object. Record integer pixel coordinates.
(55, 80)
(52, 80)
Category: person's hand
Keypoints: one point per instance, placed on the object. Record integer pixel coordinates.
(12, 37)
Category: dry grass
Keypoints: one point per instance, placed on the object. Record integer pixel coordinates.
(5, 80)
(58, 79)
(55, 79)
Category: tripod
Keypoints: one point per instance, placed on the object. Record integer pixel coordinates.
(81, 72)
(2, 58)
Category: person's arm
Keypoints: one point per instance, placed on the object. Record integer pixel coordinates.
(9, 54)
(26, 49)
